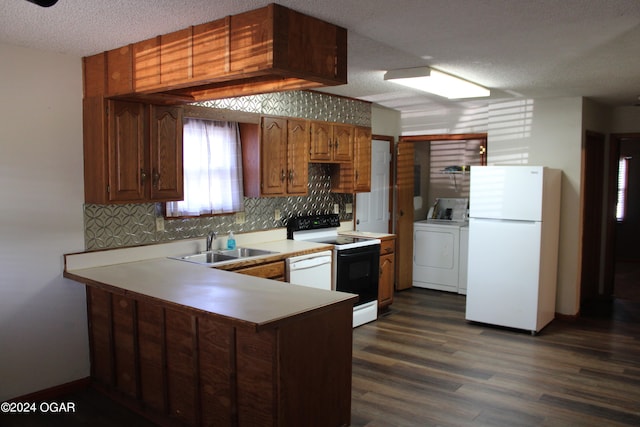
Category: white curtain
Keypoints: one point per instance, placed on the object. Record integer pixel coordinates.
(212, 169)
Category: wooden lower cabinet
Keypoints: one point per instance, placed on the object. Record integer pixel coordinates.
(386, 285)
(179, 366)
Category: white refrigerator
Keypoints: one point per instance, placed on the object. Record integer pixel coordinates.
(514, 222)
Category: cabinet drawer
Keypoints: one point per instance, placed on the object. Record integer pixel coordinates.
(387, 246)
(273, 270)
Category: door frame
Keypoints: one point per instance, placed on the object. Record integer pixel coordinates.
(612, 192)
(593, 182)
(404, 242)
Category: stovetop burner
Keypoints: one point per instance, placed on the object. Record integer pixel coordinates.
(324, 229)
(339, 240)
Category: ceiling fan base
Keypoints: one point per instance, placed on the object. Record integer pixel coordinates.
(44, 3)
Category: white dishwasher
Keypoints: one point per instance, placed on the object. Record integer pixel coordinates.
(312, 270)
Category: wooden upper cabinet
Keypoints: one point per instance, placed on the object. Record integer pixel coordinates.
(119, 71)
(331, 142)
(127, 151)
(165, 153)
(269, 49)
(208, 38)
(362, 160)
(321, 136)
(355, 176)
(251, 40)
(274, 158)
(343, 143)
(297, 157)
(273, 148)
(146, 65)
(132, 152)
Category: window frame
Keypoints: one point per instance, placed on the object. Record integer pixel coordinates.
(215, 114)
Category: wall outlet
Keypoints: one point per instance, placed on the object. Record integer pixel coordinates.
(277, 215)
(336, 208)
(159, 223)
(240, 218)
(348, 208)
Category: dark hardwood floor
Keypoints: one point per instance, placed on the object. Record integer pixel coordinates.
(424, 365)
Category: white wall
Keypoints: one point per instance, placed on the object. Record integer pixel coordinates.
(544, 132)
(43, 327)
(469, 117)
(626, 120)
(385, 121)
(547, 132)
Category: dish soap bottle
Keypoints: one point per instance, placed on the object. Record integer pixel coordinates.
(231, 241)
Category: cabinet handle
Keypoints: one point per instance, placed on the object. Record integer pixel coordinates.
(291, 175)
(156, 178)
(330, 144)
(337, 144)
(386, 261)
(282, 176)
(143, 176)
(356, 174)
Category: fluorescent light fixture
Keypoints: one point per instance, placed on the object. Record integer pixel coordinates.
(436, 82)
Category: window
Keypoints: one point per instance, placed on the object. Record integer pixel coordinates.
(212, 169)
(623, 176)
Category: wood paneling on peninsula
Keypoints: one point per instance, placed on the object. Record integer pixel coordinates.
(189, 345)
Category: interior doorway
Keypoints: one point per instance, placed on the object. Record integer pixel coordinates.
(592, 292)
(404, 208)
(625, 216)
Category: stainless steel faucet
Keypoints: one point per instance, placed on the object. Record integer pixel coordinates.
(210, 238)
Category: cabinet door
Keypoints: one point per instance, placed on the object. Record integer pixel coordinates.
(387, 274)
(126, 136)
(362, 160)
(297, 157)
(273, 156)
(165, 148)
(343, 143)
(321, 143)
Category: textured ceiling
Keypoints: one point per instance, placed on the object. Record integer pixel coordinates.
(517, 48)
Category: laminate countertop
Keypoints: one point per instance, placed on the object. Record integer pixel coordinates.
(256, 302)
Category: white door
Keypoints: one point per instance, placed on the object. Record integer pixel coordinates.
(372, 209)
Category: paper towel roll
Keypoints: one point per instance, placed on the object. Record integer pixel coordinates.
(417, 203)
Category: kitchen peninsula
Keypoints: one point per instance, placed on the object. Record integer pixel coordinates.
(192, 345)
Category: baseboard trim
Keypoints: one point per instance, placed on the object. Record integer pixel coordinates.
(569, 317)
(55, 391)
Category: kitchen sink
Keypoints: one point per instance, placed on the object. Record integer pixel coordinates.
(213, 257)
(245, 252)
(206, 257)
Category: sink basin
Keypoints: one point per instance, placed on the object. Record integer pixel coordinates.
(212, 257)
(245, 252)
(207, 257)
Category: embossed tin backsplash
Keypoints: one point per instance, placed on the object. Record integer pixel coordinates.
(114, 226)
(300, 104)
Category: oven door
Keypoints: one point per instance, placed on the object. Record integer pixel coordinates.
(357, 272)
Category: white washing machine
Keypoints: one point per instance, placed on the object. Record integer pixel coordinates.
(438, 262)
